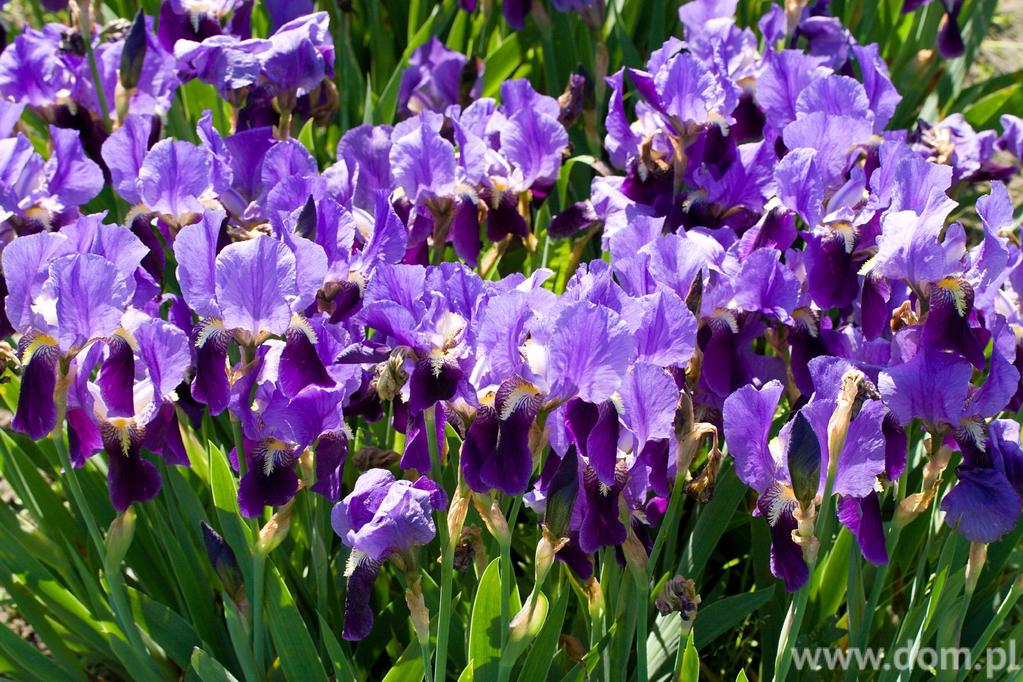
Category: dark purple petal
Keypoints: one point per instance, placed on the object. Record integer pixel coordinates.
(434, 379)
(786, 556)
(36, 414)
(331, 452)
(862, 516)
(210, 384)
(300, 365)
(358, 612)
(601, 525)
(131, 478)
(164, 437)
(258, 489)
(117, 378)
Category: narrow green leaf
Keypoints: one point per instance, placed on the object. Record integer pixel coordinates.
(173, 633)
(210, 669)
(485, 626)
(343, 667)
(225, 498)
(690, 660)
(298, 656)
(711, 524)
(722, 615)
(408, 667)
(32, 664)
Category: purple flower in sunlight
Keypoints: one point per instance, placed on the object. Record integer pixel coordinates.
(299, 54)
(34, 70)
(66, 291)
(984, 504)
(379, 518)
(37, 194)
(771, 468)
(384, 516)
(748, 414)
(247, 292)
(129, 406)
(437, 78)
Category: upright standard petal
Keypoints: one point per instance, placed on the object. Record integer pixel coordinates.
(589, 352)
(174, 177)
(255, 282)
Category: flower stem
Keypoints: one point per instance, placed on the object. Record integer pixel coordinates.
(447, 545)
(85, 27)
(118, 596)
(797, 609)
(259, 581)
(670, 520)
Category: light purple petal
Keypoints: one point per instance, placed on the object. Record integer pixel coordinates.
(255, 283)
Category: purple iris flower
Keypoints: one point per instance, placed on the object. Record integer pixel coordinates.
(290, 399)
(380, 518)
(66, 291)
(172, 179)
(228, 63)
(37, 194)
(130, 406)
(247, 292)
(438, 78)
(984, 504)
(35, 70)
(540, 351)
(767, 467)
(290, 63)
(934, 384)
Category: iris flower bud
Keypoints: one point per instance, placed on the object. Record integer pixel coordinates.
(804, 459)
(134, 53)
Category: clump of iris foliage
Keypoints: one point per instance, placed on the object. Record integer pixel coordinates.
(479, 340)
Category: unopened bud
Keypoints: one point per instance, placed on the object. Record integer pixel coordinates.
(561, 495)
(274, 532)
(133, 53)
(417, 609)
(223, 561)
(527, 623)
(119, 537)
(804, 458)
(494, 520)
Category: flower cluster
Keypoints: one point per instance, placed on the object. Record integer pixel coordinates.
(770, 248)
